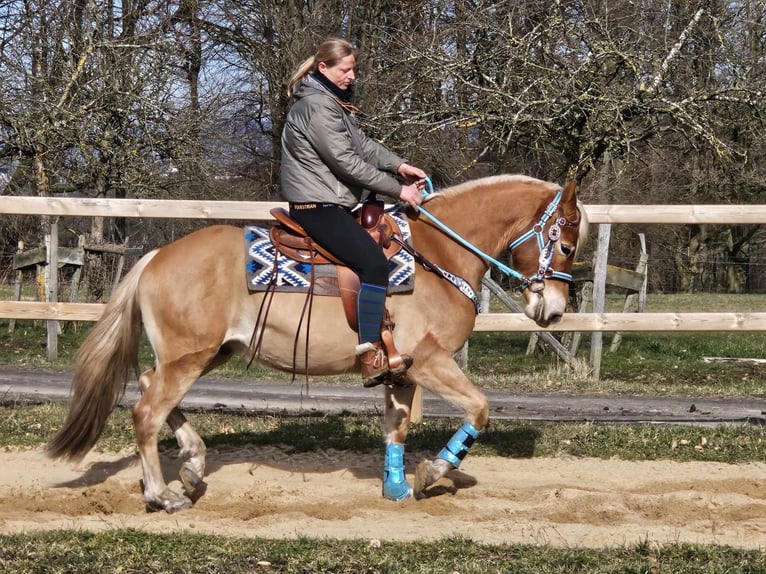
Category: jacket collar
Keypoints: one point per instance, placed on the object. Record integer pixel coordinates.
(346, 96)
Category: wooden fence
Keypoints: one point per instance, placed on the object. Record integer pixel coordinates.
(596, 322)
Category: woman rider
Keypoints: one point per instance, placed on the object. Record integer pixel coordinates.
(327, 166)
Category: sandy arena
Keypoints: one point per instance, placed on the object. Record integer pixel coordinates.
(265, 492)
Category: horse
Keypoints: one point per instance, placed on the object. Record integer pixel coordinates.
(192, 299)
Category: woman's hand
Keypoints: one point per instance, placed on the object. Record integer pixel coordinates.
(410, 172)
(412, 194)
(415, 177)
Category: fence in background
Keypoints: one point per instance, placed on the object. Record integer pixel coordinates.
(596, 322)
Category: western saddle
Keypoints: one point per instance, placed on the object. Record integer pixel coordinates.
(291, 240)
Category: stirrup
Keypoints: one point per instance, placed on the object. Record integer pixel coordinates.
(377, 370)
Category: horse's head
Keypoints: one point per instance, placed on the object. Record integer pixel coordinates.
(544, 256)
(541, 225)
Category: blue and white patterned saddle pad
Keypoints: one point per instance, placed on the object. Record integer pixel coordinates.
(295, 275)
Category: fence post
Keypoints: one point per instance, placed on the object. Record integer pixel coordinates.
(17, 286)
(51, 290)
(599, 295)
(634, 301)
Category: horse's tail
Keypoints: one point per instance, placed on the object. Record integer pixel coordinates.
(101, 369)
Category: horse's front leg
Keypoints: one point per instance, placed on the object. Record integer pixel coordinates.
(396, 423)
(443, 376)
(449, 458)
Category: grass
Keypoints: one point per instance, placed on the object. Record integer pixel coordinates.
(26, 426)
(645, 363)
(139, 552)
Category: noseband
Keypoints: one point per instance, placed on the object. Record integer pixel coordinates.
(544, 270)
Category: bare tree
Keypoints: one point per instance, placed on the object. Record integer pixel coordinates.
(91, 103)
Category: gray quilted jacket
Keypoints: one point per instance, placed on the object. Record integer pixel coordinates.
(325, 156)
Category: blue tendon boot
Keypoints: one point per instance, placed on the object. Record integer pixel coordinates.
(449, 458)
(395, 485)
(459, 445)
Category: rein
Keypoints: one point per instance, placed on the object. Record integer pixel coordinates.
(544, 270)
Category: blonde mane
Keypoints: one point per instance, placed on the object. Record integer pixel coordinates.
(486, 182)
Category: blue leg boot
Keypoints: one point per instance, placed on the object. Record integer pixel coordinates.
(459, 445)
(450, 457)
(395, 485)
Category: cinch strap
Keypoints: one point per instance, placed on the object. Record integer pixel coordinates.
(459, 445)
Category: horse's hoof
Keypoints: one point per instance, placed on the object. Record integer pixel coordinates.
(421, 477)
(170, 502)
(397, 491)
(193, 484)
(428, 472)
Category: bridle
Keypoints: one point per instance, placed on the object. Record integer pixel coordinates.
(544, 269)
(545, 260)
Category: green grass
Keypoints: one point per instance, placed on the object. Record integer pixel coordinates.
(139, 552)
(645, 363)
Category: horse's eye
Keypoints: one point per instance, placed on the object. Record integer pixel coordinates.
(566, 249)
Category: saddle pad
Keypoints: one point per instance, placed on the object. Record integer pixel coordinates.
(295, 275)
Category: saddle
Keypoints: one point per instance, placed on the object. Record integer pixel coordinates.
(291, 240)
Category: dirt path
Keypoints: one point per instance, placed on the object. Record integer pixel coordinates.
(266, 493)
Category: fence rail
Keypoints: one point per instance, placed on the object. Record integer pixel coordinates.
(259, 210)
(585, 322)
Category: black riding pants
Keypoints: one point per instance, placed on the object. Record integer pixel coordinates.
(334, 228)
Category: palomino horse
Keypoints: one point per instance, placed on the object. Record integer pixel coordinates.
(192, 298)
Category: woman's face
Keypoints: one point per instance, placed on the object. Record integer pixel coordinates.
(342, 73)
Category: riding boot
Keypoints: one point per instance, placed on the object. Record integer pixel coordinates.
(374, 362)
(376, 368)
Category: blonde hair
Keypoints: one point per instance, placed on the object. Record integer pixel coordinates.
(330, 52)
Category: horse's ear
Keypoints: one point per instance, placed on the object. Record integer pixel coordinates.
(569, 200)
(570, 192)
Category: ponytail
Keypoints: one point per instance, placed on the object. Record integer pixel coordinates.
(297, 77)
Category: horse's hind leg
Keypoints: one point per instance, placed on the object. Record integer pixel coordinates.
(164, 389)
(192, 447)
(192, 452)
